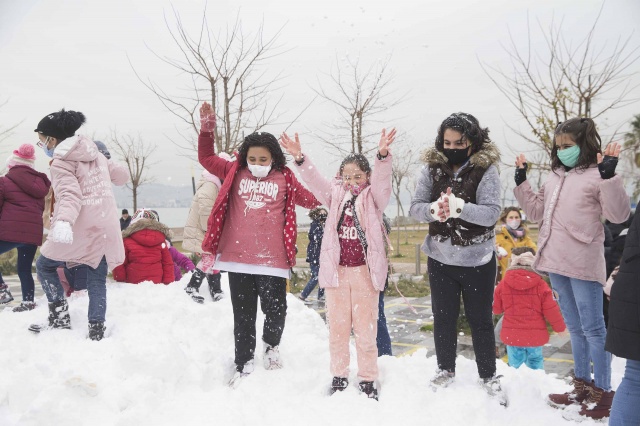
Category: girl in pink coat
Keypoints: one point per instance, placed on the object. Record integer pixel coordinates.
(353, 260)
(581, 188)
(84, 229)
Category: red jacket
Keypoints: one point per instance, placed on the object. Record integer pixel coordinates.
(227, 170)
(147, 256)
(22, 192)
(526, 300)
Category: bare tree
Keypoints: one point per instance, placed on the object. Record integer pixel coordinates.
(360, 96)
(226, 69)
(562, 81)
(136, 154)
(5, 132)
(405, 162)
(631, 156)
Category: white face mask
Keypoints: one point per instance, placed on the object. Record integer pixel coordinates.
(513, 223)
(258, 170)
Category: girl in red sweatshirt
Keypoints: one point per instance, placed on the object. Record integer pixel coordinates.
(252, 234)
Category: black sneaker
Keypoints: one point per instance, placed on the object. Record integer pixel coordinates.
(338, 384)
(25, 306)
(369, 389)
(96, 331)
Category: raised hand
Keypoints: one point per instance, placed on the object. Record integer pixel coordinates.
(521, 161)
(607, 163)
(207, 118)
(385, 141)
(612, 150)
(521, 169)
(292, 146)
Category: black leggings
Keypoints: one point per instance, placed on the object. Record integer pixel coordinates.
(245, 289)
(476, 285)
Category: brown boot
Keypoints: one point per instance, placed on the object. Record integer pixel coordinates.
(598, 404)
(576, 396)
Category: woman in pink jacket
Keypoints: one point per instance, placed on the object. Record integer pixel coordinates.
(581, 188)
(84, 228)
(353, 260)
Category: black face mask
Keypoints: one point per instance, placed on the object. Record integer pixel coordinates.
(322, 218)
(456, 156)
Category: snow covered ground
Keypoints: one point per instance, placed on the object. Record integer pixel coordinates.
(165, 361)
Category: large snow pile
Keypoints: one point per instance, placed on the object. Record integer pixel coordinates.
(165, 361)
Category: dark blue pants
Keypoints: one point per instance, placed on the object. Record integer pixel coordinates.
(383, 340)
(96, 281)
(26, 253)
(313, 281)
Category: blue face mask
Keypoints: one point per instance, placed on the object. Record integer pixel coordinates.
(569, 156)
(48, 152)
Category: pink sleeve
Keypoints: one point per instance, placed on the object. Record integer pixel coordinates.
(318, 184)
(532, 203)
(67, 190)
(381, 181)
(304, 197)
(118, 172)
(614, 200)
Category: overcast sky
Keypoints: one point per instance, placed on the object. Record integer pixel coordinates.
(73, 54)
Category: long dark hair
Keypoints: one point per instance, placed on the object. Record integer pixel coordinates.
(583, 132)
(470, 128)
(265, 140)
(357, 159)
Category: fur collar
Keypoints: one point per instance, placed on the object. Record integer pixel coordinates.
(487, 156)
(141, 224)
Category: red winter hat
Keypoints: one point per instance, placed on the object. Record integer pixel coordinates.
(25, 156)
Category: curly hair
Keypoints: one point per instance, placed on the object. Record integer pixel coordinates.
(583, 132)
(357, 159)
(470, 128)
(265, 140)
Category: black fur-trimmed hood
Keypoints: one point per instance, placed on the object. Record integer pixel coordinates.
(151, 224)
(487, 156)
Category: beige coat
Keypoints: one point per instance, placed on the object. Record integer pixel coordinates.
(201, 206)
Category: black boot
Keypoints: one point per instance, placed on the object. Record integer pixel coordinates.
(214, 286)
(96, 330)
(369, 389)
(194, 285)
(338, 384)
(58, 317)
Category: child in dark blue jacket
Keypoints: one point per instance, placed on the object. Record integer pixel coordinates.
(316, 231)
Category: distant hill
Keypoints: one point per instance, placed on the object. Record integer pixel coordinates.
(155, 195)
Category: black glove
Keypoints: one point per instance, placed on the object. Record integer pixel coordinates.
(608, 167)
(521, 174)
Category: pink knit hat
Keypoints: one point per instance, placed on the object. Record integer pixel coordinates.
(23, 156)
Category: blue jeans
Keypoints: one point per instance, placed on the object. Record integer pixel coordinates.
(313, 282)
(581, 305)
(530, 356)
(26, 253)
(96, 280)
(383, 340)
(626, 401)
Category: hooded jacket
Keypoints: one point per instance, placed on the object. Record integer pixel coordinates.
(22, 193)
(201, 207)
(568, 208)
(147, 256)
(623, 334)
(369, 205)
(81, 178)
(507, 242)
(527, 301)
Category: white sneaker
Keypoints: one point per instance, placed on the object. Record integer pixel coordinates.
(493, 388)
(271, 358)
(442, 379)
(245, 370)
